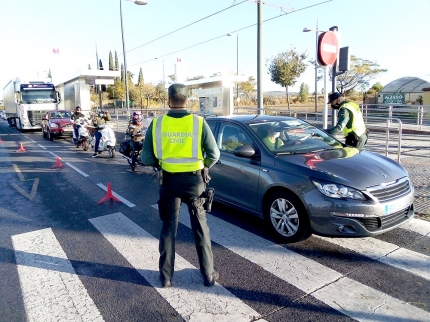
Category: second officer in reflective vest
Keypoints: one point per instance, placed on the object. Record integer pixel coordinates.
(350, 121)
(183, 147)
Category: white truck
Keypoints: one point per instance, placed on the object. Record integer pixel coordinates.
(25, 102)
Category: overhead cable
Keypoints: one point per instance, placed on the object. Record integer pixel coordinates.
(235, 31)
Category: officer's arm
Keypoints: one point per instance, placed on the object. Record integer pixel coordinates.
(343, 118)
(209, 146)
(147, 157)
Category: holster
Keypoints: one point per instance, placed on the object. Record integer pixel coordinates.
(209, 198)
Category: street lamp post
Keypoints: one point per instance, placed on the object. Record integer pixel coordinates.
(127, 103)
(316, 63)
(164, 85)
(237, 67)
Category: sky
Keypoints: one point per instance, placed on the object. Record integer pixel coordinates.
(63, 36)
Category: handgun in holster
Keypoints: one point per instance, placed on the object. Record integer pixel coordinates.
(209, 196)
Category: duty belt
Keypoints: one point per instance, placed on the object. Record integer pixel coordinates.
(191, 173)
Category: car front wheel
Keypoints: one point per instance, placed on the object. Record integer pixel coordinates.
(287, 217)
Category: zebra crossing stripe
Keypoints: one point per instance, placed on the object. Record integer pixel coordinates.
(418, 225)
(50, 287)
(188, 296)
(387, 253)
(339, 292)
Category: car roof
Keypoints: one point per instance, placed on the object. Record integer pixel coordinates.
(249, 119)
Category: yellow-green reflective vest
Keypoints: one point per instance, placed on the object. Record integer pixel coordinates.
(177, 143)
(357, 126)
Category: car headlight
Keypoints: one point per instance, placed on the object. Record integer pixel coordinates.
(334, 190)
(53, 125)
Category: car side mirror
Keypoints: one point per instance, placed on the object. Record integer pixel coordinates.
(244, 151)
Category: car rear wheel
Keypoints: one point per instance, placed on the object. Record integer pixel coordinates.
(287, 217)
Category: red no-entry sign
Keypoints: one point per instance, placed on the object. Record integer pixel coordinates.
(328, 48)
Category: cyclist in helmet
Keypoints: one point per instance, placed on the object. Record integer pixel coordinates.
(134, 130)
(99, 121)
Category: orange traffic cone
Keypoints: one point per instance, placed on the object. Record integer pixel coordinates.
(109, 195)
(58, 163)
(21, 148)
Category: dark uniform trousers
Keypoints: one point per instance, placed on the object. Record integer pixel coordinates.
(187, 188)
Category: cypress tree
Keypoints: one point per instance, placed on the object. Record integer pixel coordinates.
(116, 61)
(111, 65)
(140, 80)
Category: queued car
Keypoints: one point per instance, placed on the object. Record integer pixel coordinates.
(57, 123)
(307, 182)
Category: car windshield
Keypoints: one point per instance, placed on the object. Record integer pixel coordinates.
(293, 136)
(60, 115)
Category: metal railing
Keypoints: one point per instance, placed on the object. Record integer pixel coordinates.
(409, 114)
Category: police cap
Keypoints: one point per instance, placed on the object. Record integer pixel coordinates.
(178, 91)
(333, 96)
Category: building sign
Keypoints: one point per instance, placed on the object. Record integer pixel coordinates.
(397, 98)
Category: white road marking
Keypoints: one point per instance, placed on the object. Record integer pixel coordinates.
(123, 200)
(77, 170)
(188, 296)
(339, 292)
(41, 146)
(387, 253)
(50, 287)
(418, 225)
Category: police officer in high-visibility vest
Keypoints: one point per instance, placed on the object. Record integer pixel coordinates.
(183, 147)
(350, 121)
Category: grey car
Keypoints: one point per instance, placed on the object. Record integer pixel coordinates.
(304, 181)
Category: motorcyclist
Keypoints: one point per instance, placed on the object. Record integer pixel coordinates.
(74, 118)
(134, 130)
(98, 122)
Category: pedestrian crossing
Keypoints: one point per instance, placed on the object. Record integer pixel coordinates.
(53, 292)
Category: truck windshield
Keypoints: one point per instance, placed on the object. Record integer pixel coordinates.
(38, 96)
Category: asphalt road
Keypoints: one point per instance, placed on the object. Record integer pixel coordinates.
(64, 256)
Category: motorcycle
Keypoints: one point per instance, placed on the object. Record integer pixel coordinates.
(83, 134)
(107, 141)
(127, 152)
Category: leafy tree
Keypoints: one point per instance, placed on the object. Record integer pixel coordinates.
(160, 92)
(361, 72)
(122, 74)
(140, 78)
(376, 88)
(248, 87)
(117, 90)
(304, 93)
(286, 68)
(49, 74)
(111, 65)
(172, 78)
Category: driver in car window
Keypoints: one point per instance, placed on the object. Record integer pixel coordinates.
(272, 139)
